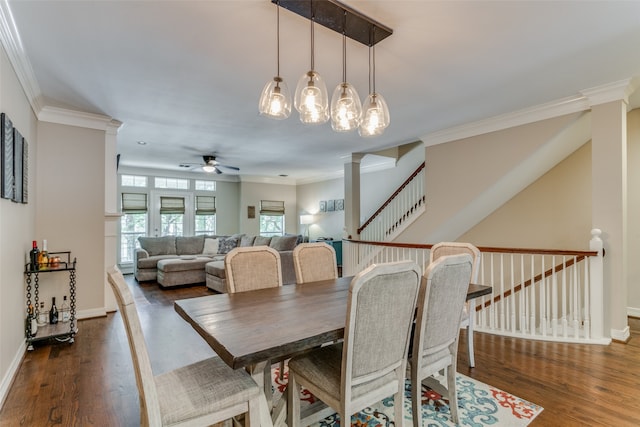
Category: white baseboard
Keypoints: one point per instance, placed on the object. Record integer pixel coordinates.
(5, 386)
(621, 334)
(94, 312)
(633, 312)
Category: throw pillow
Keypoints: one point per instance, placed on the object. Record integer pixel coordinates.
(210, 247)
(189, 245)
(283, 243)
(158, 245)
(262, 241)
(225, 245)
(247, 241)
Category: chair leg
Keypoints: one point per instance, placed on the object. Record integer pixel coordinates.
(398, 403)
(416, 398)
(472, 359)
(252, 418)
(293, 401)
(453, 395)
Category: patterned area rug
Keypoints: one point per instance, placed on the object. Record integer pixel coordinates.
(479, 405)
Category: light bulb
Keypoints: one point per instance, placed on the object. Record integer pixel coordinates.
(376, 116)
(311, 99)
(346, 109)
(275, 101)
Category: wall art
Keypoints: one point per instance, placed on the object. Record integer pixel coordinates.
(17, 165)
(6, 137)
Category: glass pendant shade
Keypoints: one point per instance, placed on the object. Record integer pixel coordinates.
(311, 99)
(346, 109)
(275, 101)
(375, 116)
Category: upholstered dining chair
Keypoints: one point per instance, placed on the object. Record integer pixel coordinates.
(314, 262)
(199, 394)
(453, 248)
(369, 365)
(435, 341)
(252, 267)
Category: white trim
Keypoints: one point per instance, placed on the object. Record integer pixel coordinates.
(621, 334)
(5, 385)
(91, 313)
(78, 118)
(633, 312)
(615, 91)
(10, 39)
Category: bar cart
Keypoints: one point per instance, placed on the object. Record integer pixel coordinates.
(61, 331)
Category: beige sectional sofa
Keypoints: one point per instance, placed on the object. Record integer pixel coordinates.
(175, 261)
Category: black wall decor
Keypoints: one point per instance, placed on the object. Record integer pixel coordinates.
(6, 137)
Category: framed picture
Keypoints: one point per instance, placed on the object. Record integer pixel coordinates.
(323, 206)
(331, 205)
(18, 148)
(25, 171)
(251, 212)
(340, 204)
(6, 136)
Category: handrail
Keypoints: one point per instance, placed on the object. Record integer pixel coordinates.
(393, 196)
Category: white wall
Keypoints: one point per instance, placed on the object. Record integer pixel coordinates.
(325, 224)
(17, 230)
(633, 206)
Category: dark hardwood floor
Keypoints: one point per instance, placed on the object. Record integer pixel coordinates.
(91, 382)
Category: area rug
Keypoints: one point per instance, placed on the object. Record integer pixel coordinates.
(479, 404)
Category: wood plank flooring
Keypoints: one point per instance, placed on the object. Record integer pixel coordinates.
(91, 382)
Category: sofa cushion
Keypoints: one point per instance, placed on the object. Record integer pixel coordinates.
(283, 243)
(189, 245)
(262, 241)
(158, 245)
(247, 241)
(216, 268)
(210, 246)
(225, 245)
(183, 264)
(151, 262)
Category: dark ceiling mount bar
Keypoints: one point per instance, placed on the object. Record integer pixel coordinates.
(331, 14)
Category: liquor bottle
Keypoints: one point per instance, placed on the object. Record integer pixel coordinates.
(42, 315)
(33, 256)
(43, 257)
(31, 319)
(65, 312)
(53, 313)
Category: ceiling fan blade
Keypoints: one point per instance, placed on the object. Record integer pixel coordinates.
(218, 171)
(228, 167)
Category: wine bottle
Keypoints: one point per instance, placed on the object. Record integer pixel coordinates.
(42, 315)
(53, 313)
(43, 257)
(33, 255)
(32, 324)
(65, 312)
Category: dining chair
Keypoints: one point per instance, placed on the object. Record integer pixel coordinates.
(314, 262)
(251, 268)
(435, 341)
(453, 248)
(200, 394)
(369, 365)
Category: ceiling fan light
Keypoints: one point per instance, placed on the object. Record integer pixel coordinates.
(208, 168)
(375, 116)
(275, 101)
(346, 109)
(311, 99)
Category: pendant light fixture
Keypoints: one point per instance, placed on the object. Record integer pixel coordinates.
(275, 101)
(346, 109)
(311, 99)
(375, 116)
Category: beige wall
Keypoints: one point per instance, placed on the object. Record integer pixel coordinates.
(70, 186)
(17, 230)
(552, 213)
(250, 195)
(633, 206)
(325, 224)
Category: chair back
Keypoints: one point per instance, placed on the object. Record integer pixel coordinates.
(149, 404)
(253, 267)
(314, 262)
(454, 248)
(380, 312)
(440, 303)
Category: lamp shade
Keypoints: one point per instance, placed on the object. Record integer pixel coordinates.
(275, 101)
(346, 109)
(311, 99)
(375, 116)
(306, 219)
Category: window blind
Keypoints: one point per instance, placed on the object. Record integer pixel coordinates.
(205, 205)
(171, 205)
(271, 207)
(134, 202)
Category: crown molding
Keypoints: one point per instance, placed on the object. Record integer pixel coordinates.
(12, 44)
(77, 118)
(615, 91)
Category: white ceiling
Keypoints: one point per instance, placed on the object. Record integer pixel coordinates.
(185, 76)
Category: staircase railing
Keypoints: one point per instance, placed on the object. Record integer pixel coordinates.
(398, 211)
(554, 295)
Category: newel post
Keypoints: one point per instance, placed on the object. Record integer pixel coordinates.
(596, 281)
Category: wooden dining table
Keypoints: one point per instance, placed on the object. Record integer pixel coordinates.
(250, 329)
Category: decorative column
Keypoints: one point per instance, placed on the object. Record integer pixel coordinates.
(352, 195)
(111, 215)
(609, 197)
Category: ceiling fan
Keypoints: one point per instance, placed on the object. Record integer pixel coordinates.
(211, 165)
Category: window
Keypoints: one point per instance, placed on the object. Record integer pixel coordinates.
(133, 224)
(172, 183)
(205, 185)
(171, 216)
(271, 218)
(205, 214)
(133, 181)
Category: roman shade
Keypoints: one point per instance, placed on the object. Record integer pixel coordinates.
(134, 203)
(272, 207)
(171, 205)
(205, 205)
